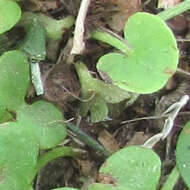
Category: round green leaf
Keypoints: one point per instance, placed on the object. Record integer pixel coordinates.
(10, 14)
(152, 61)
(183, 154)
(132, 168)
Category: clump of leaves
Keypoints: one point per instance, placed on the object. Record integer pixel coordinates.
(26, 128)
(148, 58)
(96, 94)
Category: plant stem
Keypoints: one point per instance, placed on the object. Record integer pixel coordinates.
(53, 154)
(112, 39)
(174, 11)
(171, 180)
(88, 140)
(181, 71)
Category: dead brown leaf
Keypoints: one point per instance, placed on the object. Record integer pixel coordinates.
(85, 166)
(139, 138)
(108, 141)
(127, 8)
(106, 179)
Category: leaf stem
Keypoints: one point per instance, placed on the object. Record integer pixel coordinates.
(88, 140)
(112, 39)
(53, 154)
(174, 11)
(171, 180)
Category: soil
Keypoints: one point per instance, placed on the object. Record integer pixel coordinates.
(63, 89)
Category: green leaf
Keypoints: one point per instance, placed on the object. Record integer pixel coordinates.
(98, 110)
(19, 153)
(90, 85)
(97, 94)
(14, 80)
(183, 154)
(38, 126)
(10, 14)
(34, 43)
(99, 186)
(131, 168)
(152, 61)
(45, 122)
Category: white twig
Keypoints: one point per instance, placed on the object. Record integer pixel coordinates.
(153, 140)
(78, 41)
(172, 113)
(36, 78)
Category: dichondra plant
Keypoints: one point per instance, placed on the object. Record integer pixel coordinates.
(144, 61)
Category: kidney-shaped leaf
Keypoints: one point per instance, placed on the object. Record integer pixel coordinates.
(152, 61)
(183, 154)
(131, 168)
(10, 14)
